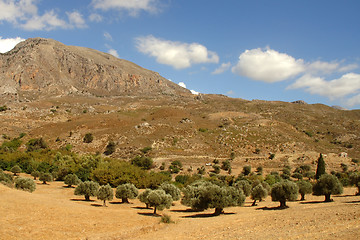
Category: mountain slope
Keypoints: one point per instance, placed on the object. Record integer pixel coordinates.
(50, 67)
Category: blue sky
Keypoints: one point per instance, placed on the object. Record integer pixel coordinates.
(266, 49)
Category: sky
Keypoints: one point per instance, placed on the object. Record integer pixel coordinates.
(278, 50)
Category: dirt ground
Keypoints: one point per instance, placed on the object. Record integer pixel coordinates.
(54, 212)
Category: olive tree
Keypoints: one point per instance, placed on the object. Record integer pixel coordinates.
(25, 184)
(171, 189)
(71, 179)
(88, 189)
(327, 185)
(159, 200)
(15, 170)
(305, 187)
(244, 186)
(258, 193)
(202, 195)
(35, 174)
(355, 180)
(126, 191)
(104, 193)
(284, 191)
(45, 177)
(143, 197)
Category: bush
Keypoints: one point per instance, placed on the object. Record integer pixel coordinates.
(126, 191)
(6, 179)
(175, 166)
(171, 189)
(45, 177)
(25, 184)
(36, 144)
(15, 170)
(88, 189)
(71, 179)
(305, 187)
(110, 148)
(105, 193)
(284, 191)
(202, 195)
(142, 162)
(355, 180)
(166, 219)
(88, 138)
(35, 174)
(159, 200)
(245, 186)
(246, 170)
(327, 185)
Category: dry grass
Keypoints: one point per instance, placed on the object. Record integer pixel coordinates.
(53, 212)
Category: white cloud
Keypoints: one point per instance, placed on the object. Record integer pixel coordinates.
(182, 84)
(94, 17)
(267, 66)
(114, 53)
(176, 54)
(108, 36)
(7, 44)
(223, 67)
(337, 88)
(76, 20)
(194, 92)
(24, 14)
(231, 92)
(322, 67)
(353, 101)
(132, 6)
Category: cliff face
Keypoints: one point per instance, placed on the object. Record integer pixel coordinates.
(50, 67)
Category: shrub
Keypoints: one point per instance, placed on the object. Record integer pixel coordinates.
(305, 187)
(142, 162)
(171, 189)
(105, 193)
(88, 138)
(201, 170)
(246, 170)
(175, 166)
(6, 179)
(159, 200)
(15, 170)
(245, 186)
(284, 191)
(36, 144)
(35, 174)
(327, 185)
(166, 219)
(25, 184)
(355, 180)
(145, 150)
(126, 191)
(88, 189)
(110, 148)
(45, 177)
(71, 179)
(216, 169)
(202, 195)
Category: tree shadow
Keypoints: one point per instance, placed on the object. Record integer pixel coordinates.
(81, 200)
(184, 210)
(66, 186)
(353, 201)
(272, 208)
(96, 205)
(118, 203)
(142, 208)
(339, 196)
(149, 214)
(313, 202)
(206, 215)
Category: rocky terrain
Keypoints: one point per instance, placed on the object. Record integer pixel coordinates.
(61, 92)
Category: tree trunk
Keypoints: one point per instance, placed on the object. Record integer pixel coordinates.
(218, 211)
(125, 200)
(327, 198)
(104, 205)
(87, 198)
(283, 204)
(154, 210)
(254, 203)
(44, 182)
(147, 205)
(302, 197)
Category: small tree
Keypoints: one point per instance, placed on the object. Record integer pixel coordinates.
(305, 187)
(142, 162)
(355, 180)
(36, 144)
(143, 197)
(244, 186)
(320, 170)
(110, 148)
(45, 177)
(15, 170)
(327, 185)
(284, 191)
(35, 174)
(246, 170)
(159, 200)
(25, 184)
(71, 179)
(171, 189)
(87, 188)
(104, 193)
(126, 191)
(88, 138)
(258, 193)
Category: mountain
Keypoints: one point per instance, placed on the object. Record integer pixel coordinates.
(47, 67)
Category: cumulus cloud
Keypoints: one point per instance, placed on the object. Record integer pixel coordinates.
(94, 17)
(24, 14)
(267, 65)
(176, 54)
(182, 84)
(223, 67)
(114, 53)
(108, 36)
(131, 6)
(7, 44)
(346, 85)
(355, 100)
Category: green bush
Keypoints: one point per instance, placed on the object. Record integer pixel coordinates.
(305, 187)
(36, 144)
(110, 148)
(15, 170)
(71, 179)
(142, 162)
(258, 193)
(25, 184)
(166, 219)
(45, 177)
(126, 191)
(143, 197)
(88, 138)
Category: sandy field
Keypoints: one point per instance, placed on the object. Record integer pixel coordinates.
(54, 212)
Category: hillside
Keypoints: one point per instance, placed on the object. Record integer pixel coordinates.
(61, 92)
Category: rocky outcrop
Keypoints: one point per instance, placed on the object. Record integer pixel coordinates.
(48, 66)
